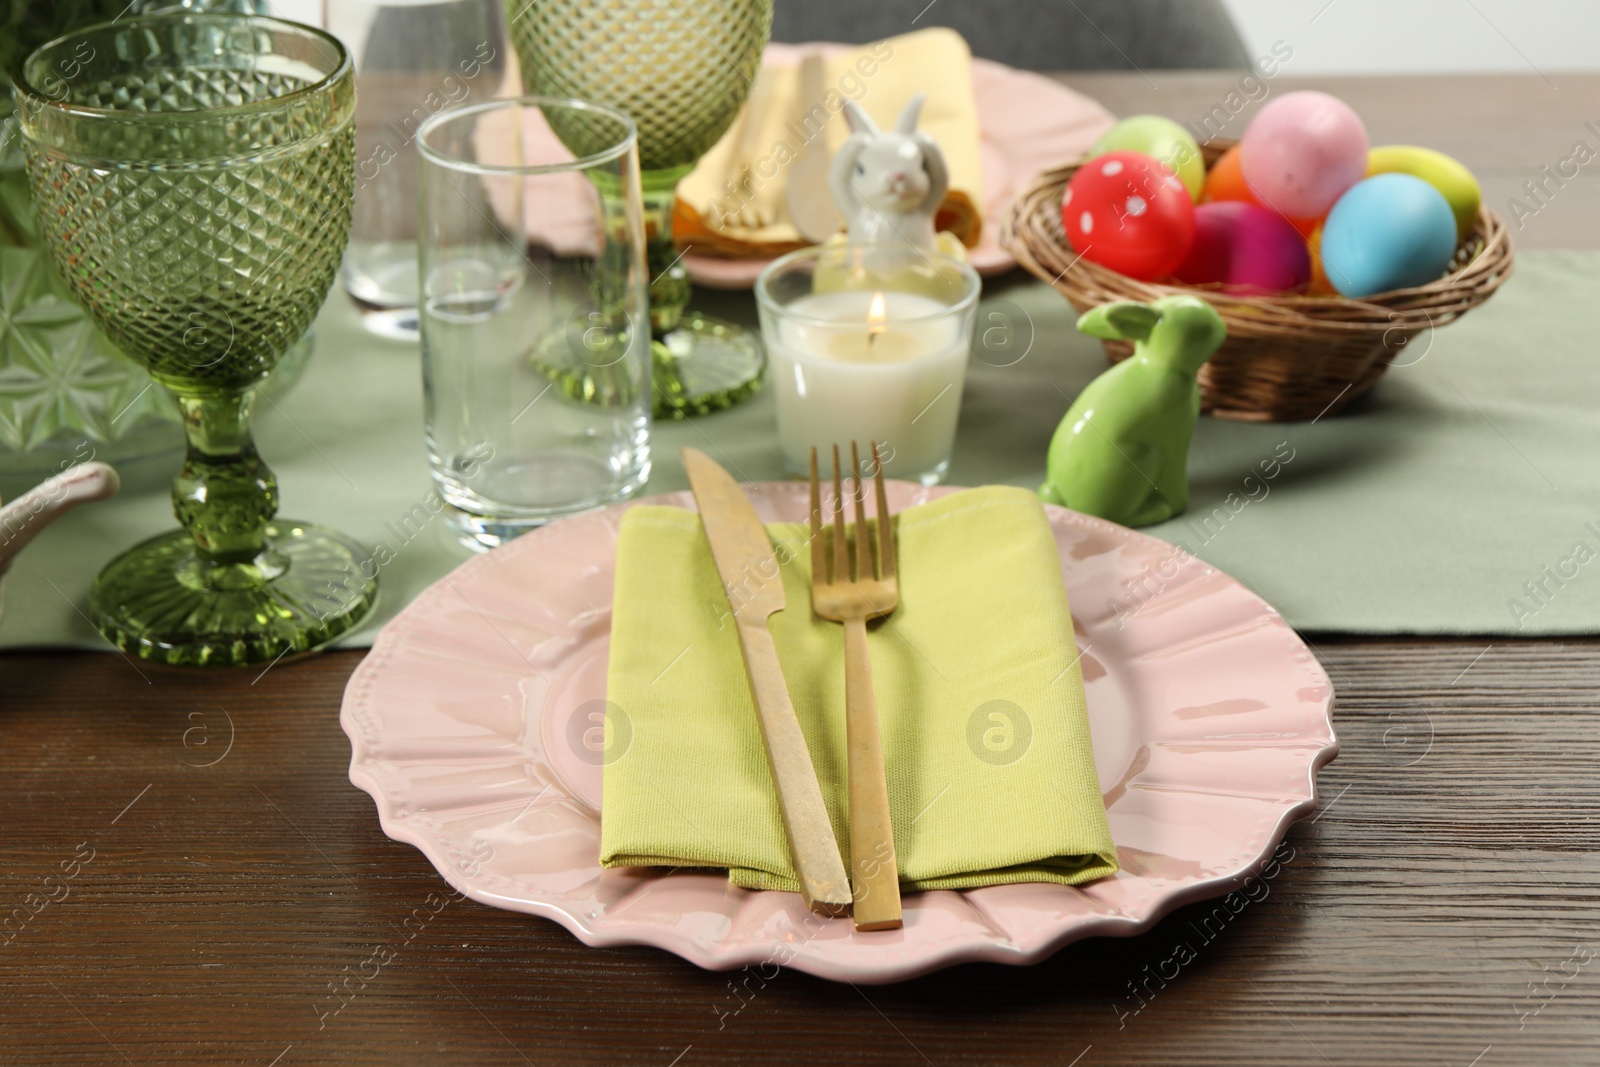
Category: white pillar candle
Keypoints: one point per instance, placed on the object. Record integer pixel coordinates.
(844, 369)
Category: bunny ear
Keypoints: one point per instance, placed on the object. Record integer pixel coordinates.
(938, 172)
(1122, 320)
(907, 122)
(858, 120)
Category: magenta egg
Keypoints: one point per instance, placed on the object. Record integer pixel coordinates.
(1302, 151)
(1246, 249)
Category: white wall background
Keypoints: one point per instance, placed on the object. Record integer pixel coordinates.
(310, 11)
(1376, 36)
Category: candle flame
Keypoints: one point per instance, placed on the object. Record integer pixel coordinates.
(876, 314)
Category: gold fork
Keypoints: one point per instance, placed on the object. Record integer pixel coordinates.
(852, 595)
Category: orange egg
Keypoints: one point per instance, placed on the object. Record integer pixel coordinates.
(1320, 285)
(1225, 181)
(1307, 227)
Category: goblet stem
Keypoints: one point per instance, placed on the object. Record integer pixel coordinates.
(669, 278)
(225, 494)
(699, 364)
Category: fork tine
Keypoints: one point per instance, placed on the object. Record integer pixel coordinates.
(885, 528)
(819, 556)
(866, 568)
(841, 547)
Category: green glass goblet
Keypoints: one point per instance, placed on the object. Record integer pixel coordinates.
(192, 178)
(681, 72)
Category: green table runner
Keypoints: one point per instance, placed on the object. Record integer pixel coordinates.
(1459, 497)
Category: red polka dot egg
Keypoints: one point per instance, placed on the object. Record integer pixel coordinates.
(1128, 213)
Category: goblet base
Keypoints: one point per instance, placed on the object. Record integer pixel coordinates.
(704, 364)
(162, 602)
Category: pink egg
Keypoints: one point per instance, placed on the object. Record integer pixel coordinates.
(1302, 151)
(1247, 249)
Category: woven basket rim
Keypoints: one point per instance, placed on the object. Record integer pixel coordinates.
(1031, 231)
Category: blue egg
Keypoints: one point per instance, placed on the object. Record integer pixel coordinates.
(1392, 231)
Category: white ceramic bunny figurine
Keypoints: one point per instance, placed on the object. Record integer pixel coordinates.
(888, 185)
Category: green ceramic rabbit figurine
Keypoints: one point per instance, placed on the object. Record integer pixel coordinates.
(1122, 451)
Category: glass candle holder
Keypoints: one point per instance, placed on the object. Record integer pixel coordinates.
(869, 342)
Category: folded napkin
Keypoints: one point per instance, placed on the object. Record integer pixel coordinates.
(773, 128)
(980, 702)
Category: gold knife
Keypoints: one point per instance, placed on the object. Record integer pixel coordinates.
(749, 571)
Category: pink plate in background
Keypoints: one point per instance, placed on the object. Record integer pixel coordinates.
(1027, 123)
(467, 719)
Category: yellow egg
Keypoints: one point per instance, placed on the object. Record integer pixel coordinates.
(1442, 172)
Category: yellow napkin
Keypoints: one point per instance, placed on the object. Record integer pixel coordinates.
(980, 699)
(755, 152)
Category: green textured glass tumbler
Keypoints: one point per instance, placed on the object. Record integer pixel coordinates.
(192, 178)
(681, 72)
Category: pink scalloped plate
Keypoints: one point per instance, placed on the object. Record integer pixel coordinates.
(1210, 720)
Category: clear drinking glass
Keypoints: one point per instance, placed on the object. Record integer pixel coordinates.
(414, 59)
(535, 319)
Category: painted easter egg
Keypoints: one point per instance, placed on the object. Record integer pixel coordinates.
(1451, 178)
(1393, 231)
(1246, 249)
(1225, 181)
(1128, 213)
(1302, 151)
(1320, 286)
(1162, 140)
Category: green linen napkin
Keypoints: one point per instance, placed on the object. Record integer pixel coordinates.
(980, 703)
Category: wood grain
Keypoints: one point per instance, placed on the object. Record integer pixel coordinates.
(1456, 861)
(1443, 908)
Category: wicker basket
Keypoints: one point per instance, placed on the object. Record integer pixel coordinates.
(1286, 357)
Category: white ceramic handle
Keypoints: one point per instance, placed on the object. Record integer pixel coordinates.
(31, 512)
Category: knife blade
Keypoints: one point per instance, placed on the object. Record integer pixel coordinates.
(749, 570)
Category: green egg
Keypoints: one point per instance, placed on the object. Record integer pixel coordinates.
(1160, 139)
(1445, 174)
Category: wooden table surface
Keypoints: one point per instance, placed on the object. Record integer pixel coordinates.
(197, 873)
